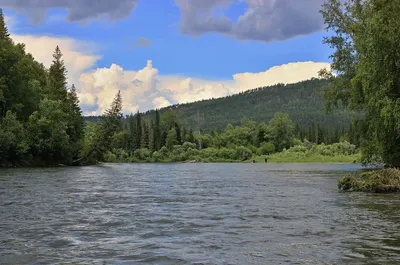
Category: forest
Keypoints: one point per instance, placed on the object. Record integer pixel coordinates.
(303, 101)
(41, 123)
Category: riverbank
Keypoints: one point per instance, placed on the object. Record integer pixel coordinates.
(293, 158)
(378, 181)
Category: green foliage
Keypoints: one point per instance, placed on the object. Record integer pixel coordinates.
(171, 139)
(308, 152)
(281, 131)
(266, 149)
(48, 140)
(303, 101)
(365, 62)
(12, 140)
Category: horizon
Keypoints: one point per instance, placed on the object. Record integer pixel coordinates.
(197, 56)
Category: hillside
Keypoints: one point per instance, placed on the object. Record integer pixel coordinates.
(303, 101)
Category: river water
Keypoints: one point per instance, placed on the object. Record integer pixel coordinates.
(194, 214)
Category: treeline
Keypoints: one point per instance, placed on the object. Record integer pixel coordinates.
(40, 118)
(303, 101)
(165, 138)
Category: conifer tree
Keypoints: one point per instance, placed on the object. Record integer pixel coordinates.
(157, 132)
(145, 135)
(152, 143)
(138, 133)
(75, 123)
(57, 83)
(178, 133)
(4, 35)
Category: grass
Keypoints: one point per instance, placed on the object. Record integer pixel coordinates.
(292, 158)
(379, 181)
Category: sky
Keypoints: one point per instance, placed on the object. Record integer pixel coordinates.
(163, 52)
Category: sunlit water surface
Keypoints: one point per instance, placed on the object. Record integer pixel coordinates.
(194, 214)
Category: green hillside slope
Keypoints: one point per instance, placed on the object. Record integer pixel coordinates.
(303, 101)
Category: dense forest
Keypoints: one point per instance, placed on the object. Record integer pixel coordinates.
(303, 101)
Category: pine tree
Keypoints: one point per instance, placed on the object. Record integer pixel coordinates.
(178, 133)
(110, 124)
(157, 132)
(57, 84)
(152, 143)
(138, 134)
(75, 123)
(4, 35)
(6, 46)
(132, 132)
(145, 136)
(191, 137)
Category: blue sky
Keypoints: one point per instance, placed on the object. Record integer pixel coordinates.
(207, 42)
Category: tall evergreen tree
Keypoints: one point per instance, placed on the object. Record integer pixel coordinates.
(152, 143)
(4, 35)
(57, 84)
(138, 130)
(75, 120)
(145, 135)
(110, 124)
(178, 133)
(157, 132)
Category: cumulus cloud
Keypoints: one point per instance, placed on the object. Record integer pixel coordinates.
(78, 55)
(161, 102)
(147, 89)
(77, 10)
(263, 20)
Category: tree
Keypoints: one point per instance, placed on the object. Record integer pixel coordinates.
(75, 120)
(366, 65)
(281, 129)
(12, 140)
(138, 130)
(178, 133)
(48, 140)
(171, 139)
(145, 135)
(4, 35)
(57, 86)
(157, 132)
(103, 135)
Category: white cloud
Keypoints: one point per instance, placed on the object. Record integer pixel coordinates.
(78, 55)
(146, 88)
(161, 102)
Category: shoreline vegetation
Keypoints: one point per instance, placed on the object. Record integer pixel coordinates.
(378, 181)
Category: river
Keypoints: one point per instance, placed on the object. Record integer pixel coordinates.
(194, 214)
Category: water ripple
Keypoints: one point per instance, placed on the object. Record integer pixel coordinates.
(193, 214)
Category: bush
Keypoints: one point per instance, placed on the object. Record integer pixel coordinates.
(266, 149)
(142, 154)
(243, 153)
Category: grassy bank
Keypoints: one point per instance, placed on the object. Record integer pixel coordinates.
(285, 158)
(379, 181)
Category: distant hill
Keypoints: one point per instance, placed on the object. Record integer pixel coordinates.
(303, 101)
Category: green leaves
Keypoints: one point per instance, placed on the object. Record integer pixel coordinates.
(366, 57)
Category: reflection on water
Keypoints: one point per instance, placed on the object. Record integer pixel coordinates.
(194, 214)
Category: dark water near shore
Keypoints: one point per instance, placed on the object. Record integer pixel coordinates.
(194, 214)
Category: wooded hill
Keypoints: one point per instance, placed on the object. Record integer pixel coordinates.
(303, 101)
